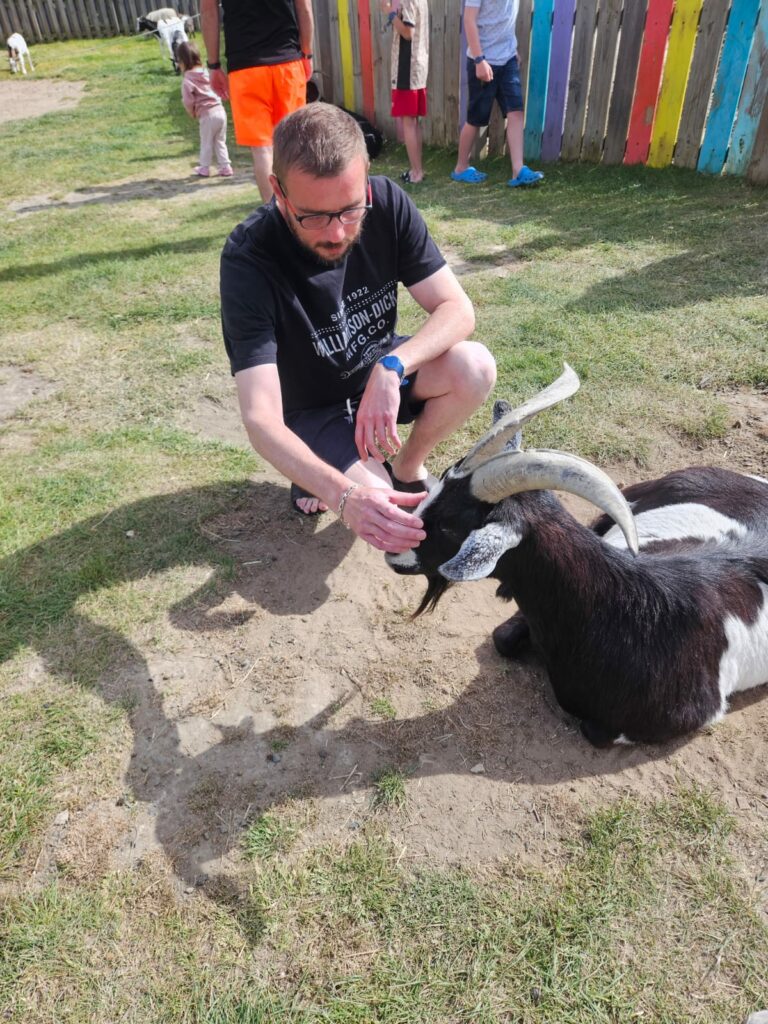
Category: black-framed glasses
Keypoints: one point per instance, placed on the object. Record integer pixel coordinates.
(318, 221)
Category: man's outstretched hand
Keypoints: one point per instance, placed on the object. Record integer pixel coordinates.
(373, 514)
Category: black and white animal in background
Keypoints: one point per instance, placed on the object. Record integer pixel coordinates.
(18, 53)
(648, 621)
(169, 28)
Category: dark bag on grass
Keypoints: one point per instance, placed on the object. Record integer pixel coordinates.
(374, 140)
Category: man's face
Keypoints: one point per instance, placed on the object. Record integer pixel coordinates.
(306, 195)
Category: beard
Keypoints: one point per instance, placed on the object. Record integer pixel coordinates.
(326, 253)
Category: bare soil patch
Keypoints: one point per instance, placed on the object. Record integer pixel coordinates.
(262, 696)
(26, 97)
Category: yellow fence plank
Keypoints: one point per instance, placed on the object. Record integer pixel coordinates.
(345, 44)
(682, 37)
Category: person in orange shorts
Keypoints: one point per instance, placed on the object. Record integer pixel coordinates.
(268, 49)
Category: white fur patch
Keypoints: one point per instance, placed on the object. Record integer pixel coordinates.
(406, 559)
(673, 522)
(760, 479)
(745, 661)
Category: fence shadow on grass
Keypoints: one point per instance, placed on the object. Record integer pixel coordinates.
(717, 230)
(202, 781)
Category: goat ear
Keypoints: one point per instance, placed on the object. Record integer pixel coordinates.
(500, 409)
(480, 552)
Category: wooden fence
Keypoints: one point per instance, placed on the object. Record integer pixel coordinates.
(43, 21)
(660, 82)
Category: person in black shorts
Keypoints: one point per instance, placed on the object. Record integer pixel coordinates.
(309, 313)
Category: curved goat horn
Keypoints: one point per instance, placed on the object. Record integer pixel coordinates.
(543, 470)
(493, 442)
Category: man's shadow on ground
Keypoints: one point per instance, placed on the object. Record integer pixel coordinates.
(45, 582)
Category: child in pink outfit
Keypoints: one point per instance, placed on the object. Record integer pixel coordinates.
(201, 102)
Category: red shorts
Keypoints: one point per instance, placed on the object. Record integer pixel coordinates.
(409, 102)
(262, 96)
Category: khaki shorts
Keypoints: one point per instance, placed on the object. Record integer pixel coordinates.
(262, 96)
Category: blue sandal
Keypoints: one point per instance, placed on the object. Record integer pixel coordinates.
(526, 177)
(469, 176)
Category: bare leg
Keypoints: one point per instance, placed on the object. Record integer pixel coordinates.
(262, 168)
(467, 138)
(515, 140)
(412, 136)
(453, 385)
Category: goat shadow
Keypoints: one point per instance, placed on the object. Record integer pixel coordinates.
(215, 528)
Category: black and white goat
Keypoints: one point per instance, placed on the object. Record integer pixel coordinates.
(169, 28)
(645, 627)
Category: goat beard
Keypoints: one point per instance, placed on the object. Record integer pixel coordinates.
(436, 587)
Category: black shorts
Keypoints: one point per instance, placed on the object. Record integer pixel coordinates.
(504, 87)
(330, 430)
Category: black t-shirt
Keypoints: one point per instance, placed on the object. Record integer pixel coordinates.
(324, 326)
(259, 32)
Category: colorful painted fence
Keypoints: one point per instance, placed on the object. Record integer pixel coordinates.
(658, 82)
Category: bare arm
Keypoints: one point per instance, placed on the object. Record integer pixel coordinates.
(211, 29)
(369, 511)
(306, 22)
(484, 70)
(451, 319)
(398, 25)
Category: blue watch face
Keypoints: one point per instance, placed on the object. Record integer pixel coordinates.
(392, 363)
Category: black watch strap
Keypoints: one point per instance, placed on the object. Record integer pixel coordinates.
(213, 65)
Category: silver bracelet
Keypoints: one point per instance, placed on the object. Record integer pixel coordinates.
(343, 502)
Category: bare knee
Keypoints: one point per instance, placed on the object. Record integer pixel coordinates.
(473, 371)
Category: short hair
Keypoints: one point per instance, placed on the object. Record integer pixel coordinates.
(318, 139)
(188, 55)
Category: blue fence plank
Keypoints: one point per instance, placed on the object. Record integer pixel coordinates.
(541, 39)
(557, 87)
(730, 76)
(753, 97)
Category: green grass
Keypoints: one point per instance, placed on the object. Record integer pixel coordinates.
(650, 283)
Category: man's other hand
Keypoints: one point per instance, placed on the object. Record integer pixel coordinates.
(373, 514)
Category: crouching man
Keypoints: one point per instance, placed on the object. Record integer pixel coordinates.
(309, 312)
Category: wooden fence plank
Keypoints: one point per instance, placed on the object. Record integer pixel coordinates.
(22, 23)
(538, 76)
(452, 61)
(725, 96)
(434, 126)
(682, 37)
(52, 19)
(757, 172)
(578, 80)
(366, 59)
(323, 63)
(559, 64)
(648, 78)
(523, 33)
(34, 20)
(345, 52)
(752, 102)
(632, 28)
(381, 41)
(354, 57)
(697, 94)
(608, 20)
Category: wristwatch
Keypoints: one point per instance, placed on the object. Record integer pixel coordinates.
(480, 59)
(391, 362)
(213, 65)
(307, 56)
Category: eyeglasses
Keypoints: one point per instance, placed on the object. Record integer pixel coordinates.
(318, 221)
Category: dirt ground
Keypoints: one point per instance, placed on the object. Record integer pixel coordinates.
(25, 96)
(265, 698)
